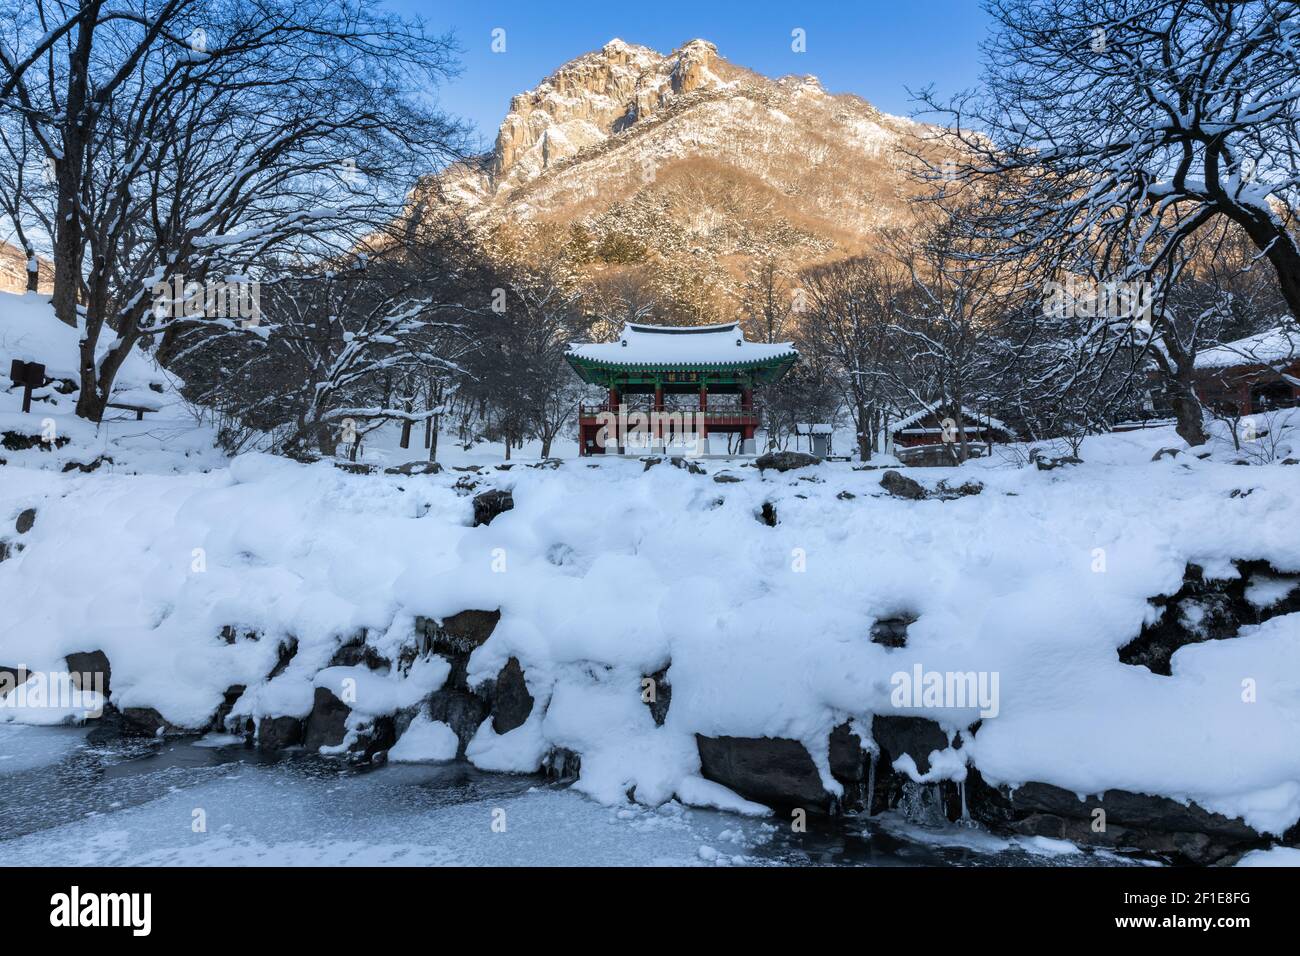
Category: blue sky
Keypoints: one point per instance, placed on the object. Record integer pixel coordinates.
(873, 48)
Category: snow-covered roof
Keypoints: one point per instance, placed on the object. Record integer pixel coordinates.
(968, 416)
(650, 345)
(1279, 344)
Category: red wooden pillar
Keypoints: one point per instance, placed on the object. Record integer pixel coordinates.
(657, 426)
(704, 407)
(747, 407)
(614, 400)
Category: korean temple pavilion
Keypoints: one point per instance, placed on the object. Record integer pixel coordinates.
(709, 370)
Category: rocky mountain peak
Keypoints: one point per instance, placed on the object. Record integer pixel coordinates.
(592, 97)
(681, 171)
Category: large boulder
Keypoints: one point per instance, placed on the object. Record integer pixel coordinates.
(327, 723)
(892, 631)
(892, 789)
(327, 726)
(661, 696)
(1208, 610)
(148, 722)
(785, 461)
(455, 638)
(277, 733)
(851, 765)
(415, 468)
(26, 518)
(772, 770)
(900, 486)
(1134, 822)
(511, 701)
(355, 651)
(460, 709)
(90, 670)
(489, 504)
(914, 736)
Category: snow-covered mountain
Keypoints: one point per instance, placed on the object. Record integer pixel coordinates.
(693, 163)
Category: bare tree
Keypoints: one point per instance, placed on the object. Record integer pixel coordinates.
(1111, 133)
(194, 138)
(850, 306)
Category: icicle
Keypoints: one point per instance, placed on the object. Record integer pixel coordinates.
(871, 781)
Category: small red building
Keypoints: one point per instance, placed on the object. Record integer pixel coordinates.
(1251, 375)
(713, 364)
(929, 436)
(930, 426)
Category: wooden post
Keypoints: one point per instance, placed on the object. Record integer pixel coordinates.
(657, 426)
(614, 399)
(704, 407)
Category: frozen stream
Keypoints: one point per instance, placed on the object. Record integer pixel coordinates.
(63, 802)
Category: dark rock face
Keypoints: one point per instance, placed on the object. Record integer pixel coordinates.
(914, 736)
(1047, 463)
(661, 698)
(771, 770)
(511, 700)
(327, 722)
(147, 722)
(277, 733)
(851, 765)
(767, 514)
(456, 704)
(326, 726)
(726, 478)
(893, 789)
(458, 635)
(561, 763)
(461, 710)
(90, 662)
(490, 504)
(1133, 822)
(26, 519)
(947, 492)
(1204, 610)
(86, 467)
(228, 701)
(14, 441)
(900, 486)
(415, 468)
(355, 467)
(284, 654)
(785, 460)
(356, 651)
(892, 631)
(12, 678)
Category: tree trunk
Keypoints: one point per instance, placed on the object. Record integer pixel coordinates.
(1275, 242)
(1188, 412)
(431, 438)
(864, 439)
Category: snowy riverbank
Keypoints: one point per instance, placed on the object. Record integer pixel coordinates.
(300, 585)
